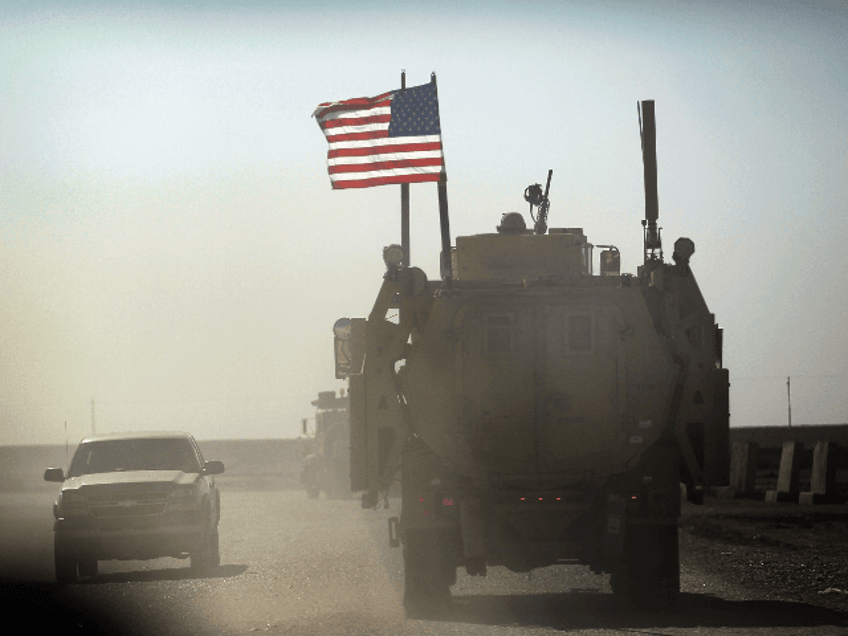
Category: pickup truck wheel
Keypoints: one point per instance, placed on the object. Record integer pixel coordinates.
(649, 577)
(206, 555)
(200, 556)
(87, 565)
(65, 561)
(214, 551)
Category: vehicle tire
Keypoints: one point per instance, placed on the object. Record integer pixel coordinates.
(87, 565)
(649, 577)
(65, 561)
(428, 572)
(214, 550)
(199, 557)
(206, 555)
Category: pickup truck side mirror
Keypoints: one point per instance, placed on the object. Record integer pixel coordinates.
(213, 468)
(54, 474)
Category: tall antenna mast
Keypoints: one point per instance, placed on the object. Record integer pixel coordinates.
(648, 132)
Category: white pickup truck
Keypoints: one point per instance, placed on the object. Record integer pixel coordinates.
(135, 496)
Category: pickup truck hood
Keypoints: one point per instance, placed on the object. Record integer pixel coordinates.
(161, 477)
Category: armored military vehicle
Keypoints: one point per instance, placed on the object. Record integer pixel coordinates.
(536, 412)
(326, 466)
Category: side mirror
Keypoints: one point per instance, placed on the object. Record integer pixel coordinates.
(54, 474)
(213, 468)
(349, 346)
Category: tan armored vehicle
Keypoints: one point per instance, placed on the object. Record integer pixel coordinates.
(327, 466)
(536, 412)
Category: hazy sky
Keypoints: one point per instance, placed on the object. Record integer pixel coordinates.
(171, 247)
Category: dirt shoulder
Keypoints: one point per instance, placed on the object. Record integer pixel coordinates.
(784, 551)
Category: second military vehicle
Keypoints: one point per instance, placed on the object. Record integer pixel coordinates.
(326, 467)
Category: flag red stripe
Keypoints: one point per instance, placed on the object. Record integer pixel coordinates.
(356, 121)
(374, 134)
(364, 151)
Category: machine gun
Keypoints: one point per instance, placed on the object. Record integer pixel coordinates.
(533, 195)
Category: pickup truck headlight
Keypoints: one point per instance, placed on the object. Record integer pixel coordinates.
(72, 504)
(183, 498)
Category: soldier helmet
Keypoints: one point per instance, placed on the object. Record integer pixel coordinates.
(512, 223)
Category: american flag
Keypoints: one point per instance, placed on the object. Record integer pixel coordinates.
(395, 137)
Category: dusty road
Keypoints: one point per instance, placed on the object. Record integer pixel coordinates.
(295, 566)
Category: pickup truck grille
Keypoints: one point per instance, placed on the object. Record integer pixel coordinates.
(127, 504)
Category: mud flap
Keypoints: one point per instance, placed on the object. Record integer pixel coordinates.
(649, 578)
(473, 527)
(612, 537)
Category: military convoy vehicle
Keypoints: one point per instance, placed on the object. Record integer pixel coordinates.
(537, 412)
(326, 467)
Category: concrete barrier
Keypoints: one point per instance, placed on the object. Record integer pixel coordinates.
(823, 475)
(756, 474)
(743, 466)
(788, 479)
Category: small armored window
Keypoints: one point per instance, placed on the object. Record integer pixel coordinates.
(498, 334)
(579, 333)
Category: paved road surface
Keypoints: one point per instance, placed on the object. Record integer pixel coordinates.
(304, 567)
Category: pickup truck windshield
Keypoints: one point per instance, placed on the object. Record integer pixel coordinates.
(134, 454)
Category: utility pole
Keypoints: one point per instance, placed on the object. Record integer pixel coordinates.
(93, 426)
(789, 399)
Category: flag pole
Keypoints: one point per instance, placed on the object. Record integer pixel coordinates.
(446, 261)
(404, 202)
